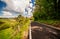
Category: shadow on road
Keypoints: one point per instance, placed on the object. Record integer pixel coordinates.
(40, 31)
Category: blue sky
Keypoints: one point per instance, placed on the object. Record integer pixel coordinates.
(10, 14)
(2, 5)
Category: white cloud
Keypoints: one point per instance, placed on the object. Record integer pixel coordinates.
(18, 6)
(31, 5)
(8, 16)
(7, 13)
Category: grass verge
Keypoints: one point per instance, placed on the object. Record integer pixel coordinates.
(55, 23)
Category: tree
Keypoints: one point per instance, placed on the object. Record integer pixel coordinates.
(46, 9)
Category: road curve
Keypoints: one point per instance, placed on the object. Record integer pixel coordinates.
(40, 31)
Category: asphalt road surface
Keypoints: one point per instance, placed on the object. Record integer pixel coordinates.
(40, 31)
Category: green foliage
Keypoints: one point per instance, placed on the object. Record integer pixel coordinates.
(5, 34)
(6, 23)
(10, 26)
(55, 23)
(24, 24)
(46, 9)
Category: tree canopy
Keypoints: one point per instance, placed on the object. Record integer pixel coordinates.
(47, 9)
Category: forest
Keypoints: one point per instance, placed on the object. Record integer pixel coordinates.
(48, 12)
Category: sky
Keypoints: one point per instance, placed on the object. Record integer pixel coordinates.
(12, 8)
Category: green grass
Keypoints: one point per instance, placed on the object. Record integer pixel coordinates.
(6, 33)
(5, 23)
(55, 23)
(5, 28)
(24, 28)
